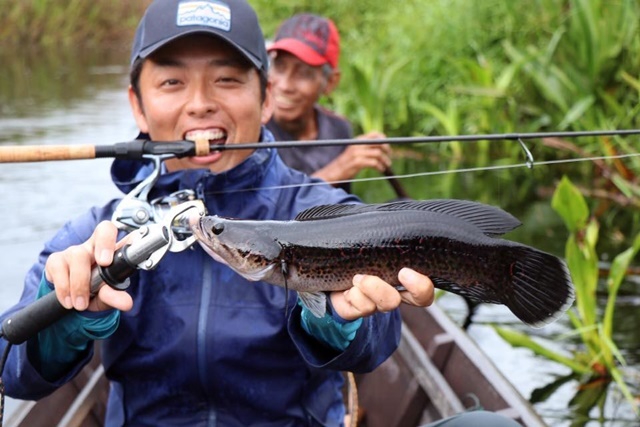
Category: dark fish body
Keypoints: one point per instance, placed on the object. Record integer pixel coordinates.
(450, 241)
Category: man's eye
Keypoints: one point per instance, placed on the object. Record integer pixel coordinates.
(307, 73)
(228, 79)
(278, 66)
(170, 82)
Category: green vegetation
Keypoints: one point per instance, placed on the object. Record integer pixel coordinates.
(442, 67)
(596, 362)
(50, 23)
(447, 67)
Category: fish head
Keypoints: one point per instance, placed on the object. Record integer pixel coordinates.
(239, 244)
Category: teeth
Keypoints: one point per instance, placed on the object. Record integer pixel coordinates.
(283, 100)
(205, 134)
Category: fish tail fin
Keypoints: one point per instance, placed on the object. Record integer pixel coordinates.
(542, 289)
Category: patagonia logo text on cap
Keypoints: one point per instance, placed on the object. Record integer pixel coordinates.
(207, 13)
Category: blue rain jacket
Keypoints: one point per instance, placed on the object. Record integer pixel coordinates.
(202, 346)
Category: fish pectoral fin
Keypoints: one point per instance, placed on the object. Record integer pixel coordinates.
(316, 302)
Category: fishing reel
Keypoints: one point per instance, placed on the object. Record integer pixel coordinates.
(135, 210)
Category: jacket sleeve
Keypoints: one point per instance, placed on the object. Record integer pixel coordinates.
(376, 339)
(22, 373)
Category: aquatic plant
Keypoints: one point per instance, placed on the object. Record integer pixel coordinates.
(597, 362)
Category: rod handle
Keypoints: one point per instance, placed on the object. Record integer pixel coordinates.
(43, 153)
(32, 319)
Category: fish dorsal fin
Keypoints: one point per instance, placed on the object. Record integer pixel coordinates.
(491, 220)
(331, 211)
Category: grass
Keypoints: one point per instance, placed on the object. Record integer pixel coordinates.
(51, 23)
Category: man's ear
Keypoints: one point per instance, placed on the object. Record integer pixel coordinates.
(138, 111)
(332, 82)
(267, 105)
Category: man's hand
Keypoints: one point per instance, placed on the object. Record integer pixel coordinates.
(357, 157)
(70, 272)
(370, 294)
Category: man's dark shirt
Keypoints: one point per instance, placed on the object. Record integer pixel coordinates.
(311, 159)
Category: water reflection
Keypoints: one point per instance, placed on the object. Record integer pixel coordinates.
(56, 98)
(38, 82)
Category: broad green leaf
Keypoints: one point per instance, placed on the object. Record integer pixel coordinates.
(569, 203)
(591, 237)
(584, 272)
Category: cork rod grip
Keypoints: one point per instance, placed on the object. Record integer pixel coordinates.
(43, 153)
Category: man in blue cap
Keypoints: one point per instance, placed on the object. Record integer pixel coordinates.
(192, 342)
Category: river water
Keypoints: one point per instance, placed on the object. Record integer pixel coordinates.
(81, 99)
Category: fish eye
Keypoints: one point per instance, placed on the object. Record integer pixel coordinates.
(217, 229)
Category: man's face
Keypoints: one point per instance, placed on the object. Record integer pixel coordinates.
(296, 87)
(200, 87)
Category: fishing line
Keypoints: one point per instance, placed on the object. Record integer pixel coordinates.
(528, 164)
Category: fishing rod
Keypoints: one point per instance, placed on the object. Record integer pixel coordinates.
(138, 149)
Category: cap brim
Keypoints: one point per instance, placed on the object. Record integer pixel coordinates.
(144, 53)
(300, 50)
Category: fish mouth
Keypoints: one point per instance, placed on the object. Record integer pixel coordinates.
(195, 224)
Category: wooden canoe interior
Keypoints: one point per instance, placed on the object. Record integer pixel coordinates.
(437, 371)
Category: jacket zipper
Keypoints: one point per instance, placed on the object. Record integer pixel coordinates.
(203, 314)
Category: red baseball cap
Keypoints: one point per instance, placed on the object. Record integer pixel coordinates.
(311, 38)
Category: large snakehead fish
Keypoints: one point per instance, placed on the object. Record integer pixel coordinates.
(454, 242)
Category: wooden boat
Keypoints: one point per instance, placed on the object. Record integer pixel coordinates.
(437, 371)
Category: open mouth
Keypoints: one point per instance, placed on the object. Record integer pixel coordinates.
(284, 102)
(206, 155)
(213, 137)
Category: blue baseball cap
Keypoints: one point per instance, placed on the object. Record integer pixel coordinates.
(233, 21)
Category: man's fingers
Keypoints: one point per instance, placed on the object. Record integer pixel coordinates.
(368, 295)
(79, 276)
(56, 271)
(419, 288)
(112, 298)
(70, 270)
(356, 304)
(102, 243)
(371, 294)
(384, 297)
